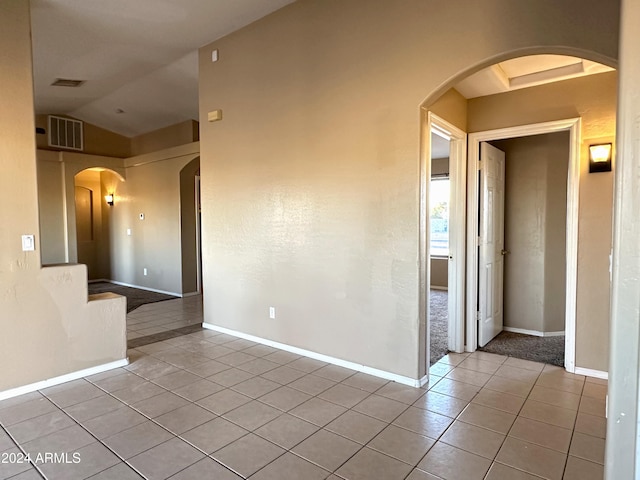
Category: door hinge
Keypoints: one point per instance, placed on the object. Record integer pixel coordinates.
(478, 316)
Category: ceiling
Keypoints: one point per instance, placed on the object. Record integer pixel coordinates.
(523, 72)
(137, 57)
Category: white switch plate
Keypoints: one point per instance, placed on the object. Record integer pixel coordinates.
(28, 243)
(129, 232)
(144, 271)
(214, 55)
(272, 312)
(214, 115)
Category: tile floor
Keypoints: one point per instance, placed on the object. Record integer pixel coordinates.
(212, 406)
(159, 317)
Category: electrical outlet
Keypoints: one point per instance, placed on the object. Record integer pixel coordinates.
(272, 312)
(144, 271)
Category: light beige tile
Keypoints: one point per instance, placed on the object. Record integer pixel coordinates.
(488, 357)
(160, 404)
(94, 458)
(417, 474)
(499, 401)
(93, 408)
(424, 422)
(454, 358)
(499, 471)
(515, 373)
(66, 440)
(381, 408)
(326, 449)
(400, 393)
(595, 390)
(543, 434)
(488, 418)
(290, 467)
(176, 379)
(137, 393)
(446, 461)
(214, 435)
(592, 406)
(363, 381)
(286, 431)
(368, 464)
(206, 468)
(282, 357)
(285, 398)
(260, 350)
(597, 381)
(9, 469)
(34, 428)
(307, 365)
(248, 454)
(258, 366)
(256, 387)
(468, 376)
(135, 440)
(230, 377)
(543, 412)
(252, 415)
(356, 426)
(198, 390)
(456, 389)
(532, 458)
(235, 359)
(184, 418)
(113, 422)
(477, 365)
(558, 398)
(75, 392)
(526, 364)
(440, 403)
(579, 469)
(334, 372)
(440, 369)
(312, 385)
(120, 471)
(223, 401)
(470, 438)
(118, 382)
(506, 385)
(318, 411)
(344, 395)
(561, 382)
(207, 369)
(402, 444)
(166, 459)
(587, 447)
(591, 425)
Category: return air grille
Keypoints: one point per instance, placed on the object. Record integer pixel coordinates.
(65, 133)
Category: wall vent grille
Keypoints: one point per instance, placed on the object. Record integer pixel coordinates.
(65, 133)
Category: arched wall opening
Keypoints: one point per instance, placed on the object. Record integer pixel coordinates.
(190, 226)
(95, 196)
(593, 99)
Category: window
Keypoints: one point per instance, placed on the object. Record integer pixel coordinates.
(439, 216)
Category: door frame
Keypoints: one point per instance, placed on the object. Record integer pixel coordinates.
(457, 211)
(573, 126)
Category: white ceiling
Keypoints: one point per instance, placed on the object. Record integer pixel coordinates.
(523, 72)
(139, 56)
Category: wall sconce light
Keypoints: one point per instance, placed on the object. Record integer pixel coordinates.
(600, 157)
(109, 199)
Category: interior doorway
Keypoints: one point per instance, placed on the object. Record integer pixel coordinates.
(444, 242)
(484, 292)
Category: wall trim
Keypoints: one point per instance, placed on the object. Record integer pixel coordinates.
(592, 373)
(98, 280)
(32, 387)
(412, 382)
(149, 289)
(535, 333)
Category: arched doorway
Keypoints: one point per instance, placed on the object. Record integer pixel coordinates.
(510, 113)
(190, 227)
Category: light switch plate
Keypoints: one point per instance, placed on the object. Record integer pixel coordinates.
(28, 243)
(214, 115)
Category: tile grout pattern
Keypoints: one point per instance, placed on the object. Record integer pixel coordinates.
(212, 404)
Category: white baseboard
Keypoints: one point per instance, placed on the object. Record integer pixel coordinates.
(32, 387)
(123, 284)
(535, 333)
(412, 382)
(438, 287)
(592, 373)
(98, 280)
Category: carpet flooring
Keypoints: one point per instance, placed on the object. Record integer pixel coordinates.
(527, 347)
(135, 296)
(439, 312)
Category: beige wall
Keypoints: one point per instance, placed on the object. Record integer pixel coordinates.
(452, 107)
(535, 224)
(310, 182)
(48, 327)
(188, 226)
(51, 208)
(171, 136)
(153, 189)
(593, 99)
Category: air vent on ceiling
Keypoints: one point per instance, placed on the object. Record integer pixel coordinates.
(65, 133)
(67, 82)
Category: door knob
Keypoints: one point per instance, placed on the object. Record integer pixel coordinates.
(505, 252)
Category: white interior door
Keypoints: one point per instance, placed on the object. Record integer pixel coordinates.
(491, 243)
